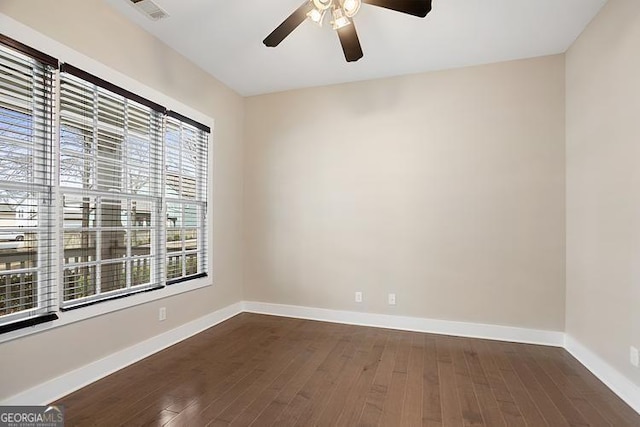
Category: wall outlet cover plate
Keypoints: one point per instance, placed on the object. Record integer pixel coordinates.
(634, 357)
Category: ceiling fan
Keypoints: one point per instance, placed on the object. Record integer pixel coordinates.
(342, 12)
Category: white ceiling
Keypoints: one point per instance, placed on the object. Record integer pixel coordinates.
(225, 38)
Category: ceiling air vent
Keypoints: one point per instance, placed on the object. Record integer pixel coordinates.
(150, 9)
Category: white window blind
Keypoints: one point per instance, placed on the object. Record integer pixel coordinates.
(185, 190)
(110, 183)
(28, 257)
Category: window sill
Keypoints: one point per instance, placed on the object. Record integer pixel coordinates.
(106, 307)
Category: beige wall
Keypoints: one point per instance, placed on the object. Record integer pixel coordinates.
(92, 28)
(603, 185)
(446, 188)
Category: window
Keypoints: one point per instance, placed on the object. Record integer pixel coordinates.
(125, 199)
(27, 249)
(110, 175)
(186, 194)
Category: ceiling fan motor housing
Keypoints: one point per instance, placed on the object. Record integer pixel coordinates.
(322, 4)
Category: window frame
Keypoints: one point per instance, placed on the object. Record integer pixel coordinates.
(39, 147)
(159, 252)
(197, 202)
(83, 120)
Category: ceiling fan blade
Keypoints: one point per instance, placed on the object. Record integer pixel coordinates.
(412, 7)
(288, 25)
(350, 43)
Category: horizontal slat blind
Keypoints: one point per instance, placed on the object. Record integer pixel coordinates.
(186, 168)
(28, 255)
(111, 184)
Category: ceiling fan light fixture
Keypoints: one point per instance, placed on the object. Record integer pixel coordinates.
(351, 7)
(340, 20)
(317, 16)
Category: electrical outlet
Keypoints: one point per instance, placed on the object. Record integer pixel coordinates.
(392, 299)
(358, 296)
(162, 314)
(634, 357)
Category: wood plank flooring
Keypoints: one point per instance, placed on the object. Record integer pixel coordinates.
(262, 370)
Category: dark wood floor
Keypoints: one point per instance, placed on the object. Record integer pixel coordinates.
(261, 370)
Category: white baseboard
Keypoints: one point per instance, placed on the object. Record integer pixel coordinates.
(50, 391)
(618, 383)
(417, 324)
